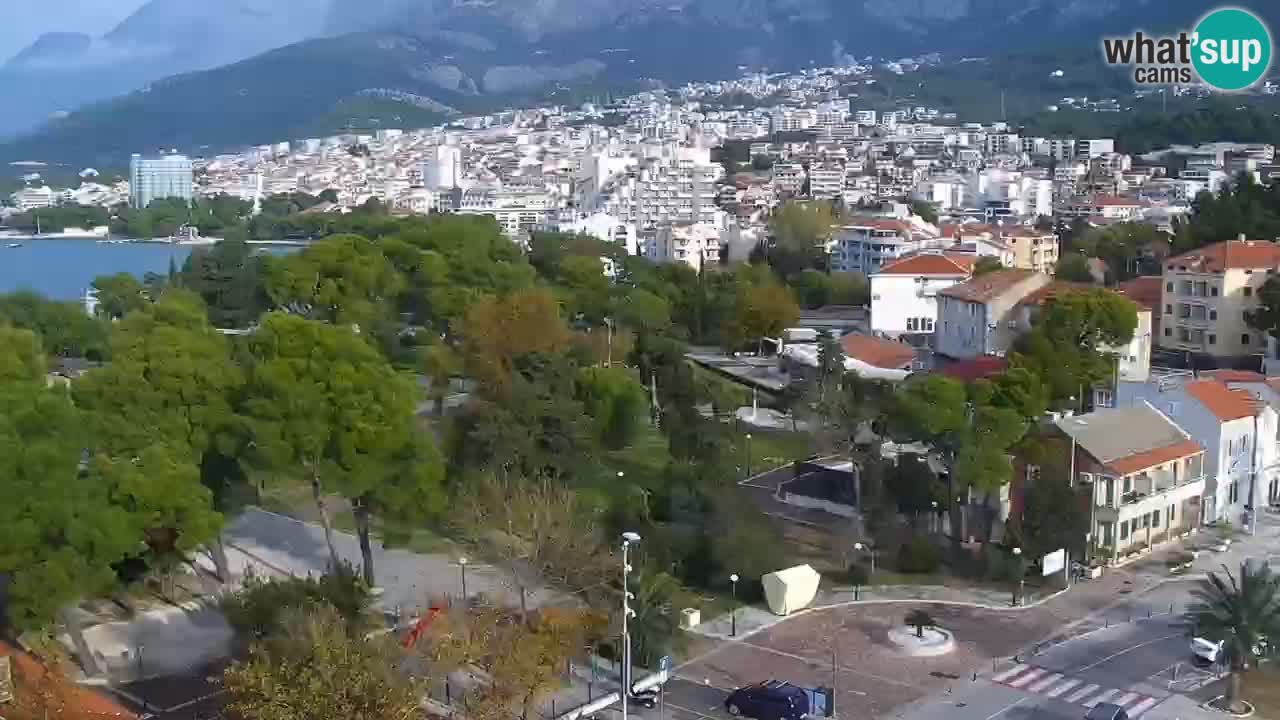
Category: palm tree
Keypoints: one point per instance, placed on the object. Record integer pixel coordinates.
(1239, 612)
(654, 624)
(919, 619)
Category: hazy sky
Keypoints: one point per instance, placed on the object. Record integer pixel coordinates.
(25, 20)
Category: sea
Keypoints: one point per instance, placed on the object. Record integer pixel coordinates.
(63, 268)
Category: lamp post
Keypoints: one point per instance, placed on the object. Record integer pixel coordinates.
(933, 518)
(860, 547)
(628, 539)
(733, 616)
(462, 566)
(747, 459)
(1022, 572)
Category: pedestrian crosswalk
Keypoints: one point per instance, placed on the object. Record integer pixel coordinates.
(1039, 681)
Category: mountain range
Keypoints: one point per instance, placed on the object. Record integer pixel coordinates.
(186, 73)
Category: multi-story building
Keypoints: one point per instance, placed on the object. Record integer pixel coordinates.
(788, 178)
(695, 244)
(150, 179)
(1032, 249)
(866, 245)
(983, 316)
(1145, 474)
(443, 167)
(904, 294)
(517, 211)
(1236, 427)
(1209, 295)
(826, 181)
(34, 198)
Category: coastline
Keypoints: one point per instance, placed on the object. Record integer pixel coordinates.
(110, 241)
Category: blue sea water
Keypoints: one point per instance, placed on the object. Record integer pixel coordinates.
(63, 268)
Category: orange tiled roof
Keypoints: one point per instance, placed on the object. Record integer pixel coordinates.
(1225, 404)
(83, 703)
(1053, 290)
(1148, 458)
(1234, 376)
(986, 287)
(927, 264)
(1229, 254)
(878, 352)
(1145, 291)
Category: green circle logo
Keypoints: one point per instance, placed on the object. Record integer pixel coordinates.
(1231, 49)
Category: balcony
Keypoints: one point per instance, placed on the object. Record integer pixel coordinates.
(1148, 496)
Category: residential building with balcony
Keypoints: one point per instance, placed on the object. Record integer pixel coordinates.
(1209, 295)
(694, 244)
(1236, 427)
(1145, 476)
(904, 293)
(1032, 249)
(866, 245)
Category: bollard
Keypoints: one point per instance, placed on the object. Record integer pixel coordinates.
(1170, 608)
(1148, 613)
(975, 676)
(1106, 622)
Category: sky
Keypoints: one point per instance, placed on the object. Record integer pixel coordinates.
(22, 21)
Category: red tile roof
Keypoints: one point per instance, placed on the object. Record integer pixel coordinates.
(82, 703)
(989, 286)
(1150, 458)
(1234, 376)
(878, 352)
(1145, 291)
(978, 368)
(927, 264)
(1054, 289)
(1229, 254)
(1225, 404)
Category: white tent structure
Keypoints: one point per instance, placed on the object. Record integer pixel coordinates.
(791, 589)
(807, 354)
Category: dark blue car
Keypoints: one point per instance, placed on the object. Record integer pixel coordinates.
(770, 700)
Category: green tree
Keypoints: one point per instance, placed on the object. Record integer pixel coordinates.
(320, 398)
(926, 210)
(800, 232)
(118, 295)
(1073, 267)
(987, 264)
(1267, 317)
(644, 311)
(228, 277)
(1239, 612)
(655, 624)
(914, 486)
(344, 280)
(761, 311)
(64, 328)
(920, 619)
(1051, 516)
(614, 398)
(318, 670)
(60, 530)
(21, 358)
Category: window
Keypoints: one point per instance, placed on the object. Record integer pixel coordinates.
(1234, 494)
(1168, 309)
(1213, 291)
(911, 324)
(1168, 332)
(1124, 530)
(1168, 287)
(1213, 314)
(1245, 315)
(1244, 339)
(1248, 291)
(1213, 339)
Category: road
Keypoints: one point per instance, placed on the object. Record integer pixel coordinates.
(1139, 664)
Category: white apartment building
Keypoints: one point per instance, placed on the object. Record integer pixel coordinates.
(788, 178)
(1236, 428)
(152, 179)
(1209, 294)
(34, 198)
(904, 293)
(1095, 148)
(826, 181)
(516, 210)
(442, 169)
(791, 119)
(866, 245)
(694, 244)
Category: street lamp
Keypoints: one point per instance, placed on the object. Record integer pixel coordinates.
(747, 462)
(860, 547)
(733, 622)
(628, 539)
(462, 565)
(933, 518)
(1022, 572)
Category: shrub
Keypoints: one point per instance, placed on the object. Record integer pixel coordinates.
(856, 575)
(918, 556)
(256, 611)
(919, 619)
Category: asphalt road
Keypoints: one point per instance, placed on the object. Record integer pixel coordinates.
(1138, 664)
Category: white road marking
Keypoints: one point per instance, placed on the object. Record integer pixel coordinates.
(1102, 698)
(1040, 685)
(1126, 699)
(1009, 673)
(1083, 693)
(1061, 688)
(1025, 678)
(1115, 655)
(1142, 707)
(1011, 706)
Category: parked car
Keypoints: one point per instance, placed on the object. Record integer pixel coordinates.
(1206, 651)
(1107, 711)
(770, 700)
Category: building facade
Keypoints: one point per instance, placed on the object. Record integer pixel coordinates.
(152, 179)
(904, 294)
(1209, 294)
